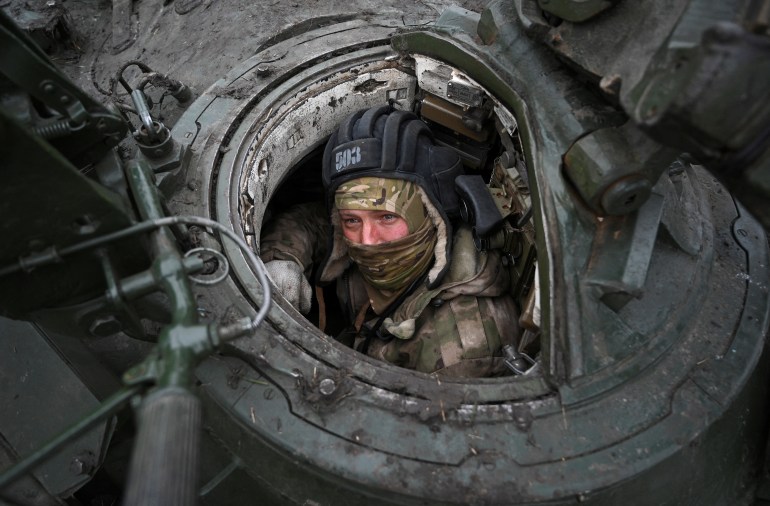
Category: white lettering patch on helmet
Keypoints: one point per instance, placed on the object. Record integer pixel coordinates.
(347, 157)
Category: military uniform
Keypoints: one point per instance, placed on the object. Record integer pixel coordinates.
(421, 298)
(455, 329)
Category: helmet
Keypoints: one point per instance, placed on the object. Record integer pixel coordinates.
(384, 142)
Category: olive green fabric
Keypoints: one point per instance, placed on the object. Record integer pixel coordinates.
(459, 328)
(298, 234)
(456, 329)
(391, 267)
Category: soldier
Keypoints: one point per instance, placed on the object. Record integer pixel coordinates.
(415, 294)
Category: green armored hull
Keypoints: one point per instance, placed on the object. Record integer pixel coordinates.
(643, 283)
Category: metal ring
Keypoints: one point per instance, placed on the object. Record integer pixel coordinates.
(220, 258)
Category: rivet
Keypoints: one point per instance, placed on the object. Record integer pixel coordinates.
(327, 386)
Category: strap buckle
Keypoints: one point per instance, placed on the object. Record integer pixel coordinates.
(519, 362)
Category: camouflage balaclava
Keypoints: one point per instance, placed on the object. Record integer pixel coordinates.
(389, 267)
(387, 144)
(383, 194)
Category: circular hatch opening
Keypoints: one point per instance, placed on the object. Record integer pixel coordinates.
(263, 155)
(282, 162)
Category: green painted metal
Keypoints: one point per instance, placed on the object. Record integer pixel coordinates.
(85, 130)
(183, 341)
(614, 169)
(604, 352)
(42, 393)
(105, 410)
(691, 74)
(655, 307)
(63, 207)
(576, 11)
(625, 390)
(167, 445)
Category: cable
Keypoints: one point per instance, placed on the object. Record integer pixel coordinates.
(51, 255)
(252, 258)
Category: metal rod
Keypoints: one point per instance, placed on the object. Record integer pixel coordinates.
(107, 408)
(145, 226)
(137, 96)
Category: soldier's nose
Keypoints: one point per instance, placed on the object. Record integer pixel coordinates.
(369, 235)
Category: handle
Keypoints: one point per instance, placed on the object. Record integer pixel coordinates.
(164, 465)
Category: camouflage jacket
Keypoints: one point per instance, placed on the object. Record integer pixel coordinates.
(456, 329)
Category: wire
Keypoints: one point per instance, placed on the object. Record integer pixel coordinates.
(251, 257)
(52, 255)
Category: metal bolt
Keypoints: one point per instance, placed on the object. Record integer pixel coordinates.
(625, 195)
(610, 84)
(105, 326)
(327, 386)
(82, 464)
(64, 99)
(676, 169)
(76, 466)
(49, 88)
(85, 224)
(263, 70)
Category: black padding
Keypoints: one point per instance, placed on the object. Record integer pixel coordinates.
(328, 149)
(345, 132)
(392, 137)
(366, 124)
(485, 216)
(417, 139)
(406, 151)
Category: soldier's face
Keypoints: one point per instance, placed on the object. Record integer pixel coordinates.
(372, 227)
